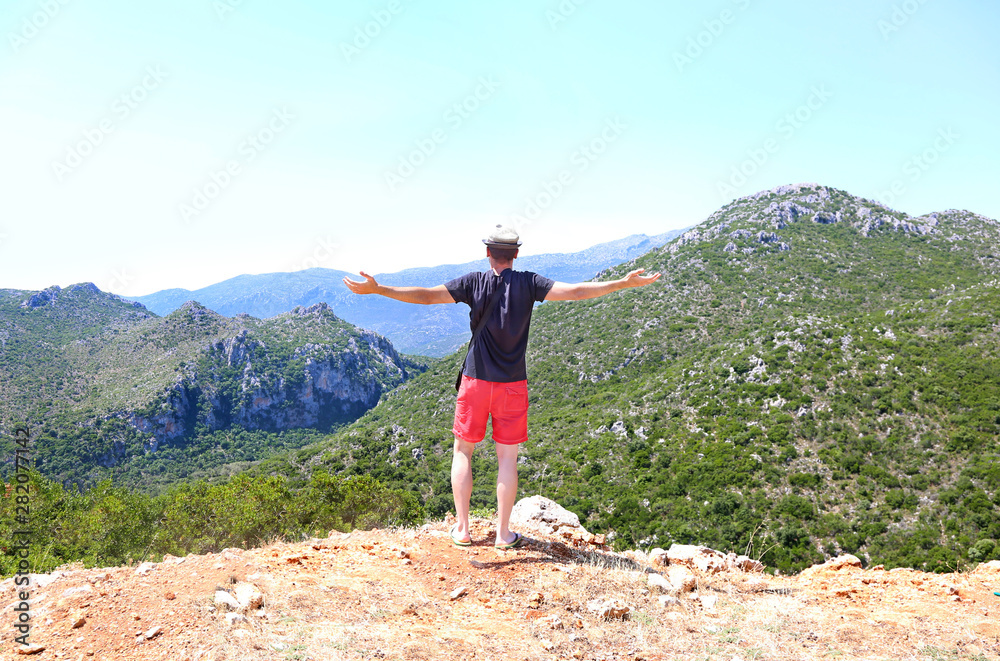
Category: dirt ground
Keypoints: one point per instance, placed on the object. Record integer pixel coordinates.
(412, 594)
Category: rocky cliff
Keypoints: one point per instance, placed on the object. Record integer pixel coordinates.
(105, 383)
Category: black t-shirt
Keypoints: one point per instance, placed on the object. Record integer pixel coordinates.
(498, 353)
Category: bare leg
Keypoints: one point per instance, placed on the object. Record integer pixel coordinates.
(461, 485)
(506, 490)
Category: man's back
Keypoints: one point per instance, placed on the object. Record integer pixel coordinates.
(498, 353)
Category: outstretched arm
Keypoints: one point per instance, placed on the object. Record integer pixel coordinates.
(421, 295)
(563, 292)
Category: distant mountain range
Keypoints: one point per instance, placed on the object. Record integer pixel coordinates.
(424, 330)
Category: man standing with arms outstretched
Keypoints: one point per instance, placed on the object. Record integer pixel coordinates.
(494, 377)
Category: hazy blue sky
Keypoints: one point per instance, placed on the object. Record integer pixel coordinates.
(149, 145)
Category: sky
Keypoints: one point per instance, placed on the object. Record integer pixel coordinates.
(152, 145)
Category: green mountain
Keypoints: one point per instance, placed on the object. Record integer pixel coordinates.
(113, 390)
(430, 331)
(815, 373)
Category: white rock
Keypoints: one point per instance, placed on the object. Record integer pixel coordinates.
(658, 557)
(744, 563)
(223, 598)
(681, 578)
(44, 580)
(701, 558)
(544, 515)
(248, 596)
(841, 562)
(80, 591)
(659, 581)
(610, 609)
(145, 568)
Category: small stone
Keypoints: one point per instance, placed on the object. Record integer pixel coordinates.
(702, 558)
(223, 598)
(708, 601)
(536, 598)
(457, 593)
(81, 591)
(547, 645)
(661, 583)
(145, 568)
(248, 596)
(235, 618)
(153, 633)
(552, 621)
(77, 620)
(745, 563)
(169, 596)
(614, 609)
(29, 649)
(681, 578)
(658, 557)
(843, 561)
(668, 601)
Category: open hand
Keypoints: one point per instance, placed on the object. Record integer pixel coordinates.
(636, 279)
(366, 286)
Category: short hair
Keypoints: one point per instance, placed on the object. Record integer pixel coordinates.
(503, 254)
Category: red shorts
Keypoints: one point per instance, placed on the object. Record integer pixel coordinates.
(506, 402)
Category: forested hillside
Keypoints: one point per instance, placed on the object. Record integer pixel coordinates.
(111, 390)
(814, 374)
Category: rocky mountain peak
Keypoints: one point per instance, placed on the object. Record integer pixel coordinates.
(41, 298)
(755, 221)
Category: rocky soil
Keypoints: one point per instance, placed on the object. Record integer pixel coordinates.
(412, 594)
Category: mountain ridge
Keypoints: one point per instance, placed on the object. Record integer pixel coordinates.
(417, 330)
